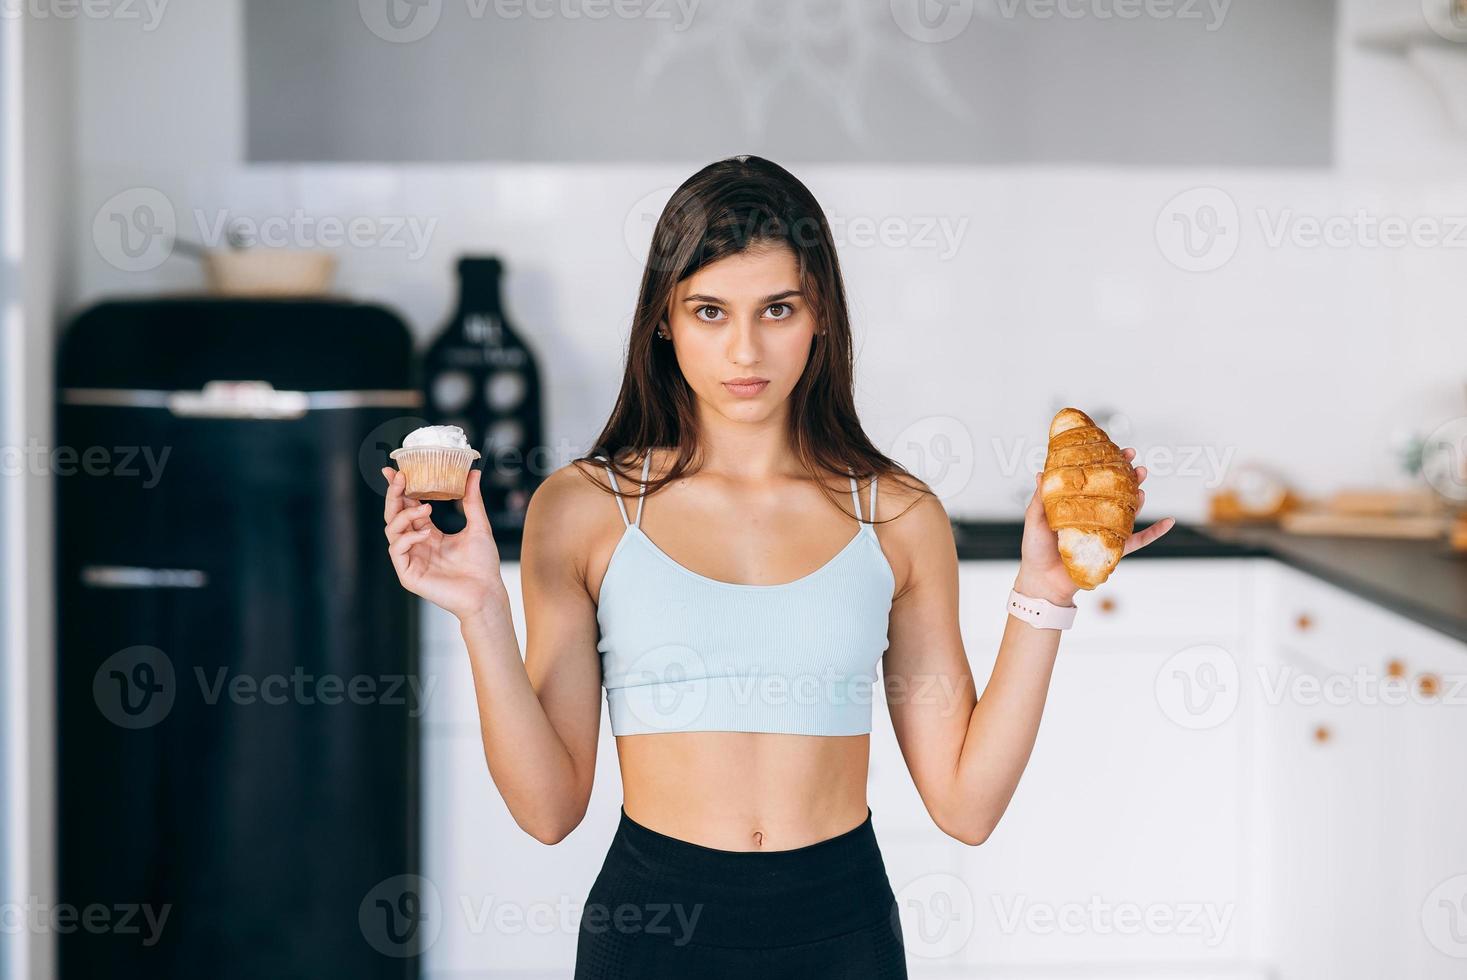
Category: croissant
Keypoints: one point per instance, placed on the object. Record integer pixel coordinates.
(1090, 497)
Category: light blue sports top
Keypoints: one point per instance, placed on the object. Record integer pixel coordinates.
(682, 652)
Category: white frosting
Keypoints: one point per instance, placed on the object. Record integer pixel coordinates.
(440, 436)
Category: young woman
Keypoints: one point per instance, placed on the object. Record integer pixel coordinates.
(734, 603)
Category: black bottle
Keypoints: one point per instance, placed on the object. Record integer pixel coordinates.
(480, 375)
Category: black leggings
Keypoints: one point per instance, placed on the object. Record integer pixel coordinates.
(664, 907)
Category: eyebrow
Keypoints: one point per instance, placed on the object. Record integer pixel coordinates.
(774, 298)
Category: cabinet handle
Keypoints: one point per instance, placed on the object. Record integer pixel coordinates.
(1304, 622)
(1322, 734)
(1428, 685)
(1107, 605)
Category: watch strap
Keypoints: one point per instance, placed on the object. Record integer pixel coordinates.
(1040, 613)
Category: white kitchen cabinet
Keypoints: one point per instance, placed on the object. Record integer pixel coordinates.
(1121, 851)
(1368, 794)
(1427, 815)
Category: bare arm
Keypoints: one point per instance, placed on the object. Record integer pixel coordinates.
(966, 753)
(538, 717)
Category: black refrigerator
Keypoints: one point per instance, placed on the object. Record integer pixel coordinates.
(236, 721)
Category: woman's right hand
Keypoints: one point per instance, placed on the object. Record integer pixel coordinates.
(458, 572)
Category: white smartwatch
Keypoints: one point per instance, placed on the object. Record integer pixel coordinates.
(1040, 613)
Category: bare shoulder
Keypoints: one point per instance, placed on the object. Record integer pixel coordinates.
(913, 527)
(568, 514)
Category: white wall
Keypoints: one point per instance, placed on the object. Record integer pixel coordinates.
(1311, 358)
(41, 170)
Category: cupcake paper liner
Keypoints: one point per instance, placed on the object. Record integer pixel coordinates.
(434, 472)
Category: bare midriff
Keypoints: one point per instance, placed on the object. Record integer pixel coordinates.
(745, 791)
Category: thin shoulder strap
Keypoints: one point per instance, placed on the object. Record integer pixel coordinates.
(642, 488)
(620, 506)
(872, 509)
(855, 496)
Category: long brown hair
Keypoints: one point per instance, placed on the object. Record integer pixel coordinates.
(726, 208)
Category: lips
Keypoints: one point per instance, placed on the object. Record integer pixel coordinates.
(746, 387)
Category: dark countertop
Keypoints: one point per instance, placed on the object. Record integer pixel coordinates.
(1421, 580)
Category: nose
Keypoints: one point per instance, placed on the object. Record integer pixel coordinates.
(744, 341)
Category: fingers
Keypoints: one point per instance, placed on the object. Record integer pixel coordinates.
(1129, 453)
(1142, 538)
(474, 513)
(1140, 475)
(395, 485)
(408, 521)
(404, 544)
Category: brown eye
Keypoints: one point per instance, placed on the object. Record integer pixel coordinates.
(699, 312)
(787, 308)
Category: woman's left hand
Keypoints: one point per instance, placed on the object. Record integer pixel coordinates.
(1042, 572)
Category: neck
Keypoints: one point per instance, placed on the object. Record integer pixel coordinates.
(747, 450)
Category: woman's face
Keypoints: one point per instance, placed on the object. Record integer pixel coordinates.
(743, 318)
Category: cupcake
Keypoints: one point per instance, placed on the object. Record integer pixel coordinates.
(435, 460)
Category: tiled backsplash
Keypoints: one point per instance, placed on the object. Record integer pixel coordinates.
(981, 298)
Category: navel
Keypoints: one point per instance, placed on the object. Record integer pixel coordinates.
(758, 838)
